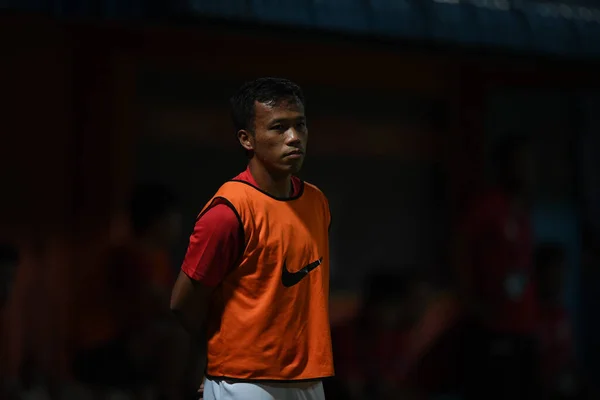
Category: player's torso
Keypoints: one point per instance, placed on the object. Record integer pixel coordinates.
(270, 315)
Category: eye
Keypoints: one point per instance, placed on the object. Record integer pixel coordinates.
(277, 127)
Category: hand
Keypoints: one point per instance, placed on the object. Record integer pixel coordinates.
(201, 391)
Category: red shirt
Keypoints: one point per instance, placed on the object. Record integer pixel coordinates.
(217, 242)
(502, 259)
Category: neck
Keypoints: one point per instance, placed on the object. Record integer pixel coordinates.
(275, 185)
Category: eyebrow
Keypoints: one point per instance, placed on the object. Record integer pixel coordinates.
(279, 120)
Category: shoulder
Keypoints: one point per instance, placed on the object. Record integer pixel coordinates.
(244, 176)
(241, 185)
(313, 190)
(218, 214)
(314, 194)
(235, 189)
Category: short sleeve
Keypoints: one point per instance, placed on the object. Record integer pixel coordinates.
(215, 245)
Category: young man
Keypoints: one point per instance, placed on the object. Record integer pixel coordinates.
(257, 266)
(495, 264)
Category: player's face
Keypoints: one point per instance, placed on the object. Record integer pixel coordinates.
(280, 136)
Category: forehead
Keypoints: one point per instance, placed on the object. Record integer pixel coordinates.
(284, 109)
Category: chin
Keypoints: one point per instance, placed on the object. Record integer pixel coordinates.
(292, 168)
(295, 169)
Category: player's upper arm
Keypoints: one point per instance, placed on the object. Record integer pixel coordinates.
(214, 247)
(189, 303)
(189, 294)
(213, 251)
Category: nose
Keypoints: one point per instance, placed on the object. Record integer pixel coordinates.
(292, 137)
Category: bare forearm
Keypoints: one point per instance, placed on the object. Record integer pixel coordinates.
(193, 325)
(189, 304)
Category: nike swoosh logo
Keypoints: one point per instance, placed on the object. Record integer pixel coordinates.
(290, 279)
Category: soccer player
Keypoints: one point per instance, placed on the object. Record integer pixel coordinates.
(257, 266)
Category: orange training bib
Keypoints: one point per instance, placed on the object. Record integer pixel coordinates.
(269, 318)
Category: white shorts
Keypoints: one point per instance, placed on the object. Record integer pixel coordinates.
(223, 390)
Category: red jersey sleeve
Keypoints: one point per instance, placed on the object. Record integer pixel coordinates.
(214, 247)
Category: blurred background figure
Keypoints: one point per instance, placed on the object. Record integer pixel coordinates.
(124, 336)
(372, 350)
(495, 264)
(559, 372)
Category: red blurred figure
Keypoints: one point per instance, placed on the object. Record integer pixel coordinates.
(495, 265)
(124, 336)
(373, 351)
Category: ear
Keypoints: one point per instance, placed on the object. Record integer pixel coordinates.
(246, 139)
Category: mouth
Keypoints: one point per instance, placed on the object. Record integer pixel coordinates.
(294, 154)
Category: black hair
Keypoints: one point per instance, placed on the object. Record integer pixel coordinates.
(149, 203)
(263, 90)
(8, 254)
(549, 255)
